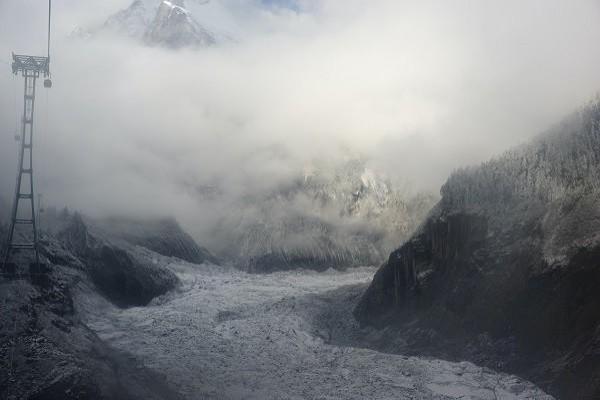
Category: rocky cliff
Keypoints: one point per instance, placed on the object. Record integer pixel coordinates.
(505, 270)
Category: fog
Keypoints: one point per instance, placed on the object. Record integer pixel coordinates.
(418, 88)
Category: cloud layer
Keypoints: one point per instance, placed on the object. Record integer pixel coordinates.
(419, 88)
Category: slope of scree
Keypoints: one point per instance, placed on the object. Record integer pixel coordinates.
(506, 269)
(46, 350)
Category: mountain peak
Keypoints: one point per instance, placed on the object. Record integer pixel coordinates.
(166, 23)
(173, 26)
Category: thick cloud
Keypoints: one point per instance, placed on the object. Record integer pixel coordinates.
(419, 87)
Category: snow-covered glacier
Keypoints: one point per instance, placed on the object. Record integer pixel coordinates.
(227, 334)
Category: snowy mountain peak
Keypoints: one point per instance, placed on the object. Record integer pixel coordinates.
(170, 7)
(166, 23)
(175, 5)
(174, 27)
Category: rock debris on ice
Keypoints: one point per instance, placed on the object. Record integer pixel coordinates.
(230, 335)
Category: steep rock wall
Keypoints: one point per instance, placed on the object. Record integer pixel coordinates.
(125, 275)
(505, 270)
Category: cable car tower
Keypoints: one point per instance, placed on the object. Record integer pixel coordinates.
(22, 233)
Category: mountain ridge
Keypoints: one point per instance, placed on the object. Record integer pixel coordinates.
(163, 23)
(339, 217)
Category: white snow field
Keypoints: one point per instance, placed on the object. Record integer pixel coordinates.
(230, 335)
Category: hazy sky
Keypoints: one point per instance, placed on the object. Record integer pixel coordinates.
(419, 87)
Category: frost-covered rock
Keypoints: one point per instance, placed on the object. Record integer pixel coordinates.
(123, 273)
(126, 258)
(505, 269)
(161, 235)
(331, 217)
(47, 351)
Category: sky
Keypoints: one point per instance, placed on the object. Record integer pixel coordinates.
(419, 88)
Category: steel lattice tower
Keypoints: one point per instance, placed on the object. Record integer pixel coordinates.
(22, 233)
(30, 68)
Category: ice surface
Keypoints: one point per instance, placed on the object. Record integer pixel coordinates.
(230, 335)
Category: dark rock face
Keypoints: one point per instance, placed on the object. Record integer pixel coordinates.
(125, 257)
(126, 279)
(411, 269)
(506, 268)
(163, 236)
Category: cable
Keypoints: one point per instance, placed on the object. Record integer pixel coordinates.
(43, 142)
(49, 19)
